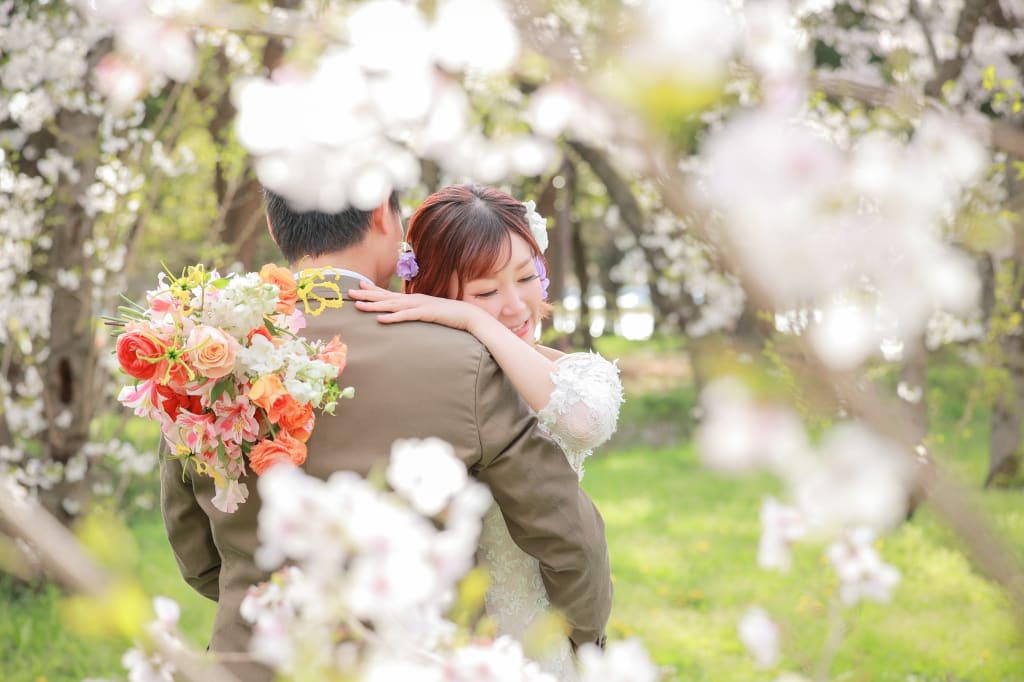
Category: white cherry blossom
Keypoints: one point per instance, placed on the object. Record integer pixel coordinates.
(760, 635)
(862, 573)
(426, 472)
(622, 661)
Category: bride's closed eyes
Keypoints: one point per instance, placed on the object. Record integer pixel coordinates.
(491, 292)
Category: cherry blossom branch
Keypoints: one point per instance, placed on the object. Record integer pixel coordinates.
(279, 23)
(880, 413)
(1000, 134)
(967, 25)
(875, 410)
(918, 15)
(834, 639)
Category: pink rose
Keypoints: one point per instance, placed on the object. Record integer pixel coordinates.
(213, 352)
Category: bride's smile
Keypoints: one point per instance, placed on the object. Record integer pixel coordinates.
(512, 294)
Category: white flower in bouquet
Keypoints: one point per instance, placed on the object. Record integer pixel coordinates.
(261, 357)
(240, 306)
(306, 378)
(230, 496)
(538, 225)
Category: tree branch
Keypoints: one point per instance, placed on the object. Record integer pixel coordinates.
(918, 15)
(1000, 134)
(886, 417)
(62, 555)
(967, 24)
(631, 213)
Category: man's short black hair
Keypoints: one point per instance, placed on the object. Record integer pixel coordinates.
(313, 233)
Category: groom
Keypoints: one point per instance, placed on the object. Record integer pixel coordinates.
(412, 380)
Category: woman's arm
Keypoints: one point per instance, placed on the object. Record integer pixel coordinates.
(529, 371)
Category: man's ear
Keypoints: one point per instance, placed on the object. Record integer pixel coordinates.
(378, 218)
(270, 230)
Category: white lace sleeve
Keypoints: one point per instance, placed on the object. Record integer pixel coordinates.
(584, 407)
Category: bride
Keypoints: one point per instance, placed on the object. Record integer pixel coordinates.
(474, 261)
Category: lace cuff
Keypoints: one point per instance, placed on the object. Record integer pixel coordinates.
(584, 407)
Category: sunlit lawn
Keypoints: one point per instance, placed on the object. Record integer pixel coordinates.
(683, 544)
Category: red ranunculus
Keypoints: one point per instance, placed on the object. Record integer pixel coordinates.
(173, 402)
(139, 354)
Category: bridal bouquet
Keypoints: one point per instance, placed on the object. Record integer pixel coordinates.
(219, 362)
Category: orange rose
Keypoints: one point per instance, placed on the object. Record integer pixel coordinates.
(269, 393)
(296, 418)
(334, 353)
(284, 448)
(213, 352)
(139, 354)
(285, 281)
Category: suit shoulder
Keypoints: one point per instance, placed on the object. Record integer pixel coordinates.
(430, 335)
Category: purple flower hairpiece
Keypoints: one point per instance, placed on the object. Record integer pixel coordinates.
(542, 274)
(407, 265)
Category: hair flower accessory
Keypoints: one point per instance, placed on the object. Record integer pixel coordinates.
(542, 275)
(407, 265)
(538, 225)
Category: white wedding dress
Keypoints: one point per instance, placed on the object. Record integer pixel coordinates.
(581, 415)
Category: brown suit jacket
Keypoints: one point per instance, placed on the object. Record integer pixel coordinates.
(411, 380)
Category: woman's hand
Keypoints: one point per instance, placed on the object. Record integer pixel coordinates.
(397, 307)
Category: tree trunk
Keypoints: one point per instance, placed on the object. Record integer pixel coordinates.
(242, 221)
(680, 311)
(752, 329)
(584, 338)
(610, 257)
(546, 202)
(69, 371)
(241, 199)
(1008, 410)
(1007, 414)
(914, 376)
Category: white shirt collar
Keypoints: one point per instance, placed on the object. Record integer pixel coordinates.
(349, 273)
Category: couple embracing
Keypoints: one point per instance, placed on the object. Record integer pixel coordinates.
(453, 357)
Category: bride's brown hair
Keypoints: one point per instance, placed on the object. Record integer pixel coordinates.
(464, 229)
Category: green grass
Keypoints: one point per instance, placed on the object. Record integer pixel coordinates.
(683, 543)
(36, 646)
